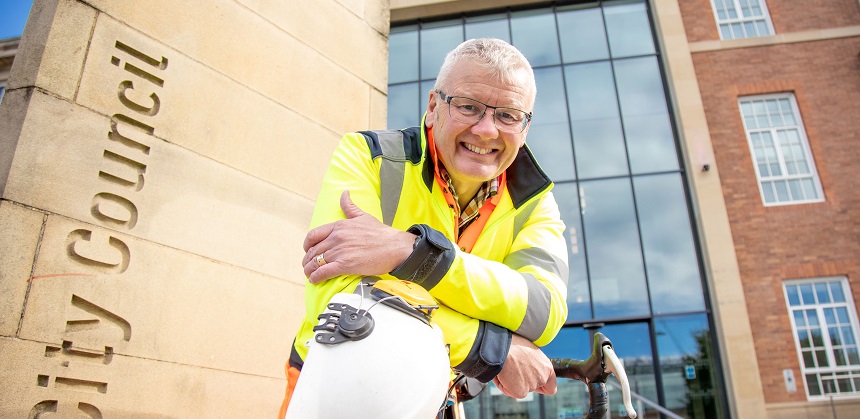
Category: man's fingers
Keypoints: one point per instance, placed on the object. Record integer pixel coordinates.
(550, 388)
(349, 208)
(317, 235)
(322, 273)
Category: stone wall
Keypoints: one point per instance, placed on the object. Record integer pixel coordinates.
(158, 166)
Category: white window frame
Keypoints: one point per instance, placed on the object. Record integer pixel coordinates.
(769, 181)
(745, 23)
(849, 372)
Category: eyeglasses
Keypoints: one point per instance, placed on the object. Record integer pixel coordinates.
(470, 111)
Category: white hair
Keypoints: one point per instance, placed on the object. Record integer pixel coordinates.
(496, 55)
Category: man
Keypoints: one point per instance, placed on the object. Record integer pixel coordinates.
(472, 220)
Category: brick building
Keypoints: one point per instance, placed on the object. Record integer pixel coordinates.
(809, 62)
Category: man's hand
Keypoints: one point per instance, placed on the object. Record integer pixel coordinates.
(358, 245)
(526, 369)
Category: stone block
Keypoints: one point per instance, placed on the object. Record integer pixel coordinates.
(244, 46)
(99, 288)
(337, 30)
(378, 111)
(197, 108)
(112, 172)
(53, 47)
(376, 13)
(58, 379)
(21, 228)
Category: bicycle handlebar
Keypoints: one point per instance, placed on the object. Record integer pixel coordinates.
(593, 372)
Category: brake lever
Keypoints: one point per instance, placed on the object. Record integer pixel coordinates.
(593, 372)
(614, 366)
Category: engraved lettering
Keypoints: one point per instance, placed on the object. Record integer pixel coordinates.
(90, 410)
(122, 163)
(132, 138)
(160, 64)
(114, 210)
(137, 71)
(68, 353)
(101, 316)
(108, 255)
(51, 407)
(126, 85)
(42, 407)
(86, 386)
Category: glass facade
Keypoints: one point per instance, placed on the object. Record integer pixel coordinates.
(602, 130)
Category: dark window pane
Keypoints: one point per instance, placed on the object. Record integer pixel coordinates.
(436, 41)
(571, 342)
(549, 133)
(578, 297)
(403, 54)
(687, 363)
(571, 400)
(670, 254)
(812, 385)
(582, 35)
(403, 105)
(614, 255)
(533, 33)
(495, 26)
(597, 135)
(629, 30)
(808, 362)
(650, 143)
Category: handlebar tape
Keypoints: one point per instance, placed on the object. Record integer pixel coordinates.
(599, 401)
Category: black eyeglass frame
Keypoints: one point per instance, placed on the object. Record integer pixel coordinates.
(447, 99)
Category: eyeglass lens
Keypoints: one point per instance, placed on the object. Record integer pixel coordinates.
(470, 111)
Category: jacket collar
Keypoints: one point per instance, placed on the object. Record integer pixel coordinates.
(525, 178)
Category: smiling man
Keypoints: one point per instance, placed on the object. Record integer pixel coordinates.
(460, 207)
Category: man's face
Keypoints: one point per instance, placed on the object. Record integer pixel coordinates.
(474, 154)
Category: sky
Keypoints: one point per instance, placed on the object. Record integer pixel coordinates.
(13, 16)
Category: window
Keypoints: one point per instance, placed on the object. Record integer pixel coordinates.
(742, 18)
(783, 161)
(2, 90)
(825, 328)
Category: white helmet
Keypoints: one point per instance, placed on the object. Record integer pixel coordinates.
(375, 355)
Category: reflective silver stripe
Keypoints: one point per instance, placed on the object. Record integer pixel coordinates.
(392, 171)
(537, 311)
(535, 256)
(522, 216)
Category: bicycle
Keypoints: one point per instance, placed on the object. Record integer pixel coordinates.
(398, 355)
(593, 372)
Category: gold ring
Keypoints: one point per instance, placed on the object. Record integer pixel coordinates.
(320, 260)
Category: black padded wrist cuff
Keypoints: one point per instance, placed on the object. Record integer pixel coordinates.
(488, 353)
(431, 257)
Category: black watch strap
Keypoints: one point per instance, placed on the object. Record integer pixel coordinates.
(432, 256)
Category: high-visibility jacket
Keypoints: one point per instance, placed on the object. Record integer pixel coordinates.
(514, 279)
